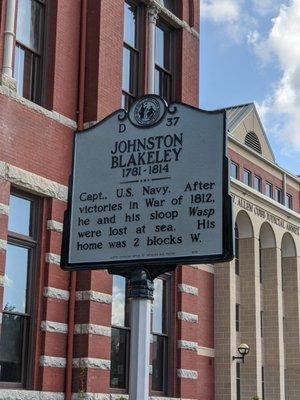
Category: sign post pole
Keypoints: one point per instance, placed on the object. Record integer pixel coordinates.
(140, 294)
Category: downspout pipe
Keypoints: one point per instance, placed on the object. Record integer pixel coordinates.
(152, 18)
(9, 38)
(80, 127)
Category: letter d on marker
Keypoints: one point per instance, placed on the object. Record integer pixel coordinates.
(122, 128)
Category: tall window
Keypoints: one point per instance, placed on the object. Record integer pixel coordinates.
(289, 201)
(120, 335)
(278, 195)
(29, 48)
(18, 283)
(163, 71)
(257, 183)
(234, 170)
(247, 178)
(237, 317)
(130, 75)
(269, 190)
(160, 334)
(238, 381)
(237, 254)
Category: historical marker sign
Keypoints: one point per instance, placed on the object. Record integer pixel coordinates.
(149, 187)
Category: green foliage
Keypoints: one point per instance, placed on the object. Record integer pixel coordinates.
(255, 398)
(121, 398)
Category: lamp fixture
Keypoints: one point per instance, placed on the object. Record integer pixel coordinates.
(243, 349)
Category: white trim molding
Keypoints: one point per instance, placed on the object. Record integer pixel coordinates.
(92, 295)
(183, 288)
(51, 326)
(110, 396)
(54, 226)
(92, 329)
(14, 394)
(33, 182)
(205, 351)
(187, 345)
(52, 258)
(3, 244)
(54, 362)
(2, 280)
(54, 115)
(88, 362)
(4, 209)
(187, 374)
(54, 293)
(203, 267)
(187, 317)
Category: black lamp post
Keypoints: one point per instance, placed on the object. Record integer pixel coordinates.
(243, 349)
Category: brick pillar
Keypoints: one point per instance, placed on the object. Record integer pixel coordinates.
(92, 332)
(273, 326)
(225, 337)
(291, 279)
(250, 316)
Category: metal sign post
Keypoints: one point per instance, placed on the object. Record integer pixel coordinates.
(149, 191)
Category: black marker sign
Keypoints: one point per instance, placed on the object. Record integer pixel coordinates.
(149, 187)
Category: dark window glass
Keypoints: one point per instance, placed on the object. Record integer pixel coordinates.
(17, 295)
(289, 201)
(269, 190)
(257, 183)
(237, 317)
(263, 382)
(130, 76)
(278, 195)
(28, 52)
(247, 177)
(237, 254)
(234, 170)
(163, 74)
(160, 336)
(238, 381)
(120, 340)
(170, 5)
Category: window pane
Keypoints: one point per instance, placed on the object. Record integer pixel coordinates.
(158, 307)
(159, 362)
(126, 70)
(234, 170)
(129, 25)
(119, 358)
(11, 346)
(19, 215)
(278, 194)
(119, 301)
(257, 183)
(247, 177)
(269, 190)
(29, 20)
(15, 280)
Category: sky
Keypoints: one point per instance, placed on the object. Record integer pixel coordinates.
(250, 52)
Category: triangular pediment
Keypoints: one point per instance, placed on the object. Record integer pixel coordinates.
(244, 124)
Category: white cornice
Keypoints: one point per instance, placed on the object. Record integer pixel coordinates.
(280, 208)
(262, 158)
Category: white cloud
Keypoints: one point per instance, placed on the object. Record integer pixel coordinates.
(280, 109)
(8, 282)
(265, 7)
(220, 11)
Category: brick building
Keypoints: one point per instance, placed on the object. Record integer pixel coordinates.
(65, 65)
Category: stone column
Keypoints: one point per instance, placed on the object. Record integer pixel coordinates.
(225, 335)
(291, 279)
(250, 316)
(273, 324)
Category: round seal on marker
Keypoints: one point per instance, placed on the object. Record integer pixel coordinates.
(147, 111)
